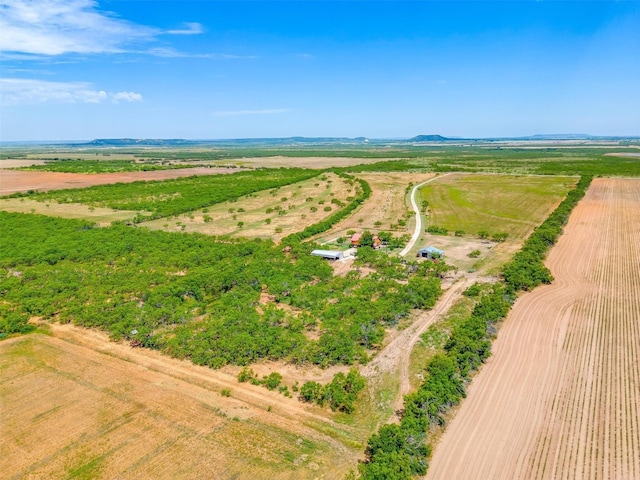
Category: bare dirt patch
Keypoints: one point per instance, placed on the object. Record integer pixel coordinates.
(13, 181)
(75, 404)
(14, 163)
(560, 396)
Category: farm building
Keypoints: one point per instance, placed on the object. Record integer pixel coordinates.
(430, 252)
(328, 254)
(357, 238)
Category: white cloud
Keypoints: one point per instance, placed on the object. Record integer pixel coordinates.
(20, 91)
(126, 97)
(190, 28)
(269, 111)
(54, 27)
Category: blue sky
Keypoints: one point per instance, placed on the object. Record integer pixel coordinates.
(83, 69)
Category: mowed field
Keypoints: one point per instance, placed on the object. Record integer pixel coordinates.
(75, 405)
(560, 397)
(494, 203)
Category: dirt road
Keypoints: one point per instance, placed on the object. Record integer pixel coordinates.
(395, 356)
(418, 228)
(560, 397)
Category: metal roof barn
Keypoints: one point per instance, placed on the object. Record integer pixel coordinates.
(431, 252)
(328, 254)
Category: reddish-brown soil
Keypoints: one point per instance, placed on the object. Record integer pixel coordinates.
(560, 397)
(12, 181)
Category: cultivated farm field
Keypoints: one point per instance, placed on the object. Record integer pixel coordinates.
(14, 181)
(75, 405)
(560, 397)
(494, 203)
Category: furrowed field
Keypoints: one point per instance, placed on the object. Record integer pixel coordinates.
(563, 383)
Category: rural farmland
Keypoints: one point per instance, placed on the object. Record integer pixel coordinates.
(560, 396)
(222, 281)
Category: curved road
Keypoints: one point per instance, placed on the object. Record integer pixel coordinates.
(418, 229)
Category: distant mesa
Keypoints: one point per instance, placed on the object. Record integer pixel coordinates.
(429, 138)
(125, 142)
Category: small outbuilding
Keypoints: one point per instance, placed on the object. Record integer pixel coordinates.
(430, 252)
(328, 254)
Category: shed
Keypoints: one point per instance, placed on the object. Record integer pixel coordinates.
(328, 254)
(430, 252)
(355, 239)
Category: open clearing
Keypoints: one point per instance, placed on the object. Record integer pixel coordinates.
(495, 203)
(386, 205)
(560, 397)
(99, 215)
(300, 204)
(75, 405)
(13, 181)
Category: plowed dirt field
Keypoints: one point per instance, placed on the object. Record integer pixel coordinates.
(13, 181)
(560, 397)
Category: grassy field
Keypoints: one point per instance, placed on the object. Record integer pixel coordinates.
(101, 216)
(272, 213)
(493, 203)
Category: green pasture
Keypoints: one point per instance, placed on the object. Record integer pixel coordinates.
(493, 203)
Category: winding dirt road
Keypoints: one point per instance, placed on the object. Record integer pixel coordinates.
(560, 397)
(418, 228)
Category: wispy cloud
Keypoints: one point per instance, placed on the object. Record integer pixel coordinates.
(19, 91)
(268, 111)
(169, 52)
(190, 28)
(56, 27)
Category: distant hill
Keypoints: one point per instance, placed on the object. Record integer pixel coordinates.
(428, 138)
(155, 142)
(127, 142)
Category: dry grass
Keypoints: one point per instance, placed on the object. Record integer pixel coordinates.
(76, 405)
(298, 211)
(101, 216)
(388, 204)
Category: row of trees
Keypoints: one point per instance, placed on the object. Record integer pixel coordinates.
(176, 196)
(363, 192)
(526, 270)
